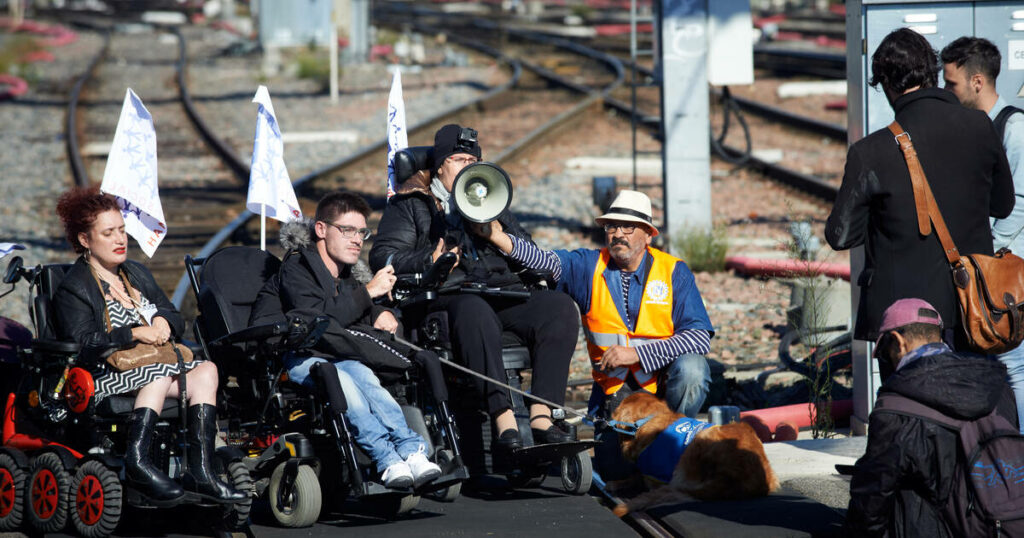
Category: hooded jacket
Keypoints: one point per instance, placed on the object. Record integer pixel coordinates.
(411, 227)
(904, 477)
(79, 310)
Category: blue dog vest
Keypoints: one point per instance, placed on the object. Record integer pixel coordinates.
(659, 459)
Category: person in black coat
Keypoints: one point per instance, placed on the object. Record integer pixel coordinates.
(419, 224)
(106, 304)
(966, 168)
(909, 465)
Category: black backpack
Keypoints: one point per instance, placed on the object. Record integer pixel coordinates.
(1004, 114)
(987, 496)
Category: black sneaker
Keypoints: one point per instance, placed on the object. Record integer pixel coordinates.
(509, 439)
(554, 434)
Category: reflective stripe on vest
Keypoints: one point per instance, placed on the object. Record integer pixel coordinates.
(604, 327)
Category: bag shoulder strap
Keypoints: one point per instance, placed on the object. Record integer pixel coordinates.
(924, 200)
(1003, 117)
(892, 402)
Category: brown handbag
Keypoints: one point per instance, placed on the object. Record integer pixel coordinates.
(142, 354)
(987, 287)
(146, 354)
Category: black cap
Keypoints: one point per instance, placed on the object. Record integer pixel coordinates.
(452, 139)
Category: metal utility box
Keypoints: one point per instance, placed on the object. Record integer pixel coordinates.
(294, 23)
(941, 22)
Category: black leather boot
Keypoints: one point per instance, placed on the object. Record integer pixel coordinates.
(139, 470)
(199, 476)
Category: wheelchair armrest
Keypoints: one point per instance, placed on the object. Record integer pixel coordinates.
(537, 277)
(258, 333)
(58, 347)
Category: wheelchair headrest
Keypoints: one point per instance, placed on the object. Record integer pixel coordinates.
(410, 160)
(229, 282)
(48, 281)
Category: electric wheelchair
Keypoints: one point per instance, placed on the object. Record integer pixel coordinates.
(525, 467)
(62, 456)
(264, 407)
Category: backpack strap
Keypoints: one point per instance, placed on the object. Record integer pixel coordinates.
(1003, 117)
(891, 402)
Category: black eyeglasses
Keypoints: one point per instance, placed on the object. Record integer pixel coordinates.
(626, 228)
(348, 232)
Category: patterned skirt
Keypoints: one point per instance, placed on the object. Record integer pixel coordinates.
(110, 382)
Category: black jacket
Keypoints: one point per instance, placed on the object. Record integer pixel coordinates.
(79, 309)
(902, 481)
(966, 167)
(304, 288)
(411, 227)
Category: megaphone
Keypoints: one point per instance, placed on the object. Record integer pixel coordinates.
(482, 191)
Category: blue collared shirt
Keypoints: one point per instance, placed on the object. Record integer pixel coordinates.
(574, 272)
(1007, 232)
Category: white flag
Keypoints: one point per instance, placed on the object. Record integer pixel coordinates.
(269, 184)
(397, 137)
(7, 248)
(130, 174)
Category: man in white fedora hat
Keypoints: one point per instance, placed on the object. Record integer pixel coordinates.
(643, 316)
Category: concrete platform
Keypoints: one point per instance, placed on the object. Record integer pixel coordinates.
(808, 467)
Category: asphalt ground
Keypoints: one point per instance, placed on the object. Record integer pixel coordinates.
(491, 509)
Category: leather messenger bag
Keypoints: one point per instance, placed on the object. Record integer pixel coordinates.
(989, 288)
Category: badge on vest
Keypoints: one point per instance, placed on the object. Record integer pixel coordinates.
(656, 292)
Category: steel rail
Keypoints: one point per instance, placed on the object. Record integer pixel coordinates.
(222, 235)
(78, 172)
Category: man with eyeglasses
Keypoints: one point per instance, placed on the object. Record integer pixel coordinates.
(419, 225)
(643, 316)
(316, 279)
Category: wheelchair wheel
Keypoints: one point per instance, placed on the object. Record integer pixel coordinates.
(444, 459)
(12, 494)
(96, 492)
(236, 515)
(48, 486)
(577, 473)
(302, 507)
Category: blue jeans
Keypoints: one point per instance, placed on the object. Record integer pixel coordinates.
(687, 381)
(377, 420)
(1014, 361)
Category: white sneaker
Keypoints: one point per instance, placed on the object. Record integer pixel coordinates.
(397, 475)
(423, 470)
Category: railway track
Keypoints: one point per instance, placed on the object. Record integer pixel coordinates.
(202, 210)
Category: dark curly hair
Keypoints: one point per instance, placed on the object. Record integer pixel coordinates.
(903, 60)
(78, 208)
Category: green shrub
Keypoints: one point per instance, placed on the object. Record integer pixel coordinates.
(702, 250)
(314, 65)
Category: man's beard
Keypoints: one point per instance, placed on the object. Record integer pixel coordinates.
(622, 256)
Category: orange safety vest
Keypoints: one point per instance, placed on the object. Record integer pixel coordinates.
(604, 327)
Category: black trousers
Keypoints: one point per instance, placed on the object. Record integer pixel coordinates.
(547, 322)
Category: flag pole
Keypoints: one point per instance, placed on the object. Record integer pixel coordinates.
(263, 227)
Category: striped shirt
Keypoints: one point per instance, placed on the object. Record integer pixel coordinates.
(653, 356)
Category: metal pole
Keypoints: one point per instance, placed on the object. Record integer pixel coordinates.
(633, 79)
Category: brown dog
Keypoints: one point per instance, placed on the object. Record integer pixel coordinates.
(721, 463)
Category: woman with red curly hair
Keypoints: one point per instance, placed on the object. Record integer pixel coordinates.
(107, 303)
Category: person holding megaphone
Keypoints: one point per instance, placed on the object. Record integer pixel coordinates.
(428, 217)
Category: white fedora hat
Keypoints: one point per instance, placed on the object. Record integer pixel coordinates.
(630, 206)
